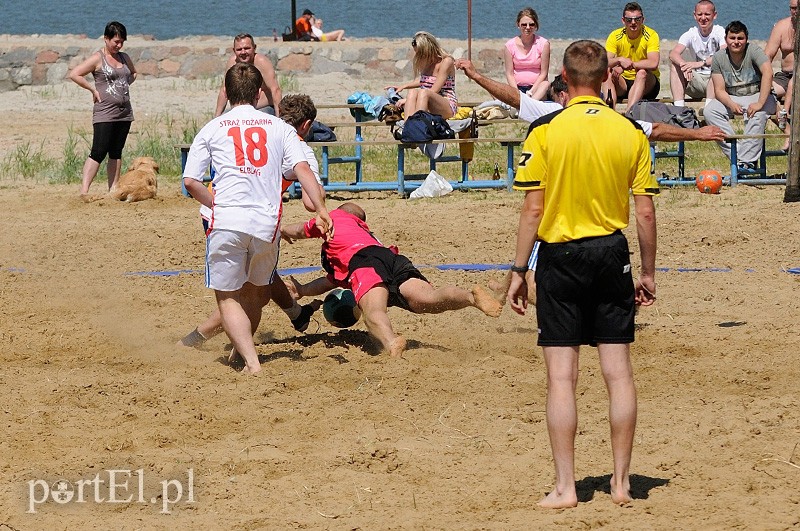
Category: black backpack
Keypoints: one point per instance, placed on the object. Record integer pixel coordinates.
(655, 111)
(422, 127)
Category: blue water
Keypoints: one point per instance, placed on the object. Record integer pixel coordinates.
(444, 18)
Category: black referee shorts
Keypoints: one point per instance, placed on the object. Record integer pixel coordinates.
(584, 292)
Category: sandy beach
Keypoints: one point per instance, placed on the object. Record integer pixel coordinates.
(332, 435)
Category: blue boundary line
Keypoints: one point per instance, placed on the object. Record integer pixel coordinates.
(442, 267)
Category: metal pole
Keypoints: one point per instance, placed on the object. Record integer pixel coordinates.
(294, 17)
(792, 192)
(469, 30)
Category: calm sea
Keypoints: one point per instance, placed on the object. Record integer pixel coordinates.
(444, 18)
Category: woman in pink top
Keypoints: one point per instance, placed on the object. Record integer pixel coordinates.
(527, 57)
(435, 90)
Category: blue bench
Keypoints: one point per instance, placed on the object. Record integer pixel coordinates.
(737, 176)
(401, 184)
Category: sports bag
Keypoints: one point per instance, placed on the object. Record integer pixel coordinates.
(655, 111)
(422, 127)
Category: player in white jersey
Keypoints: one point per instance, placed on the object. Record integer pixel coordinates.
(298, 111)
(249, 151)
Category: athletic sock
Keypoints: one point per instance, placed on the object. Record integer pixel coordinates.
(293, 311)
(193, 339)
(680, 103)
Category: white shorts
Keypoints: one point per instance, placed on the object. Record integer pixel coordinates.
(233, 258)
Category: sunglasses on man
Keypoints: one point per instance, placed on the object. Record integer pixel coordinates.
(631, 20)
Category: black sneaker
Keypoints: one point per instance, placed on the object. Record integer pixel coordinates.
(301, 322)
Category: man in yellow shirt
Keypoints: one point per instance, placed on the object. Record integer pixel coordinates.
(577, 190)
(633, 57)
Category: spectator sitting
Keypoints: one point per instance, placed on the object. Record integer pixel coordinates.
(742, 78)
(435, 90)
(633, 57)
(527, 56)
(302, 27)
(693, 77)
(782, 38)
(335, 35)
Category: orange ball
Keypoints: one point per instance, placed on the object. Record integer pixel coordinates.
(709, 181)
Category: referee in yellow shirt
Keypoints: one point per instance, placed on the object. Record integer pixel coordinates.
(577, 169)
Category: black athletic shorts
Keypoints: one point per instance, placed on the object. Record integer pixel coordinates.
(381, 265)
(651, 96)
(584, 292)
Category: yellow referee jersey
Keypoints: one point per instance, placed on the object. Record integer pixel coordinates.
(619, 44)
(586, 157)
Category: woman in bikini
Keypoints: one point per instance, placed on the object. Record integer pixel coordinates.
(435, 90)
(112, 115)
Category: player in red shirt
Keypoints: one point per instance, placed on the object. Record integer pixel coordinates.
(380, 277)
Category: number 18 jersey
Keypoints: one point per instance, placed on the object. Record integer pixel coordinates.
(248, 150)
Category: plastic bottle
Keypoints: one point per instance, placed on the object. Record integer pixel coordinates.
(274, 35)
(782, 118)
(744, 114)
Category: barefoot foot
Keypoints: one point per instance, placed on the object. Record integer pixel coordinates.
(500, 289)
(251, 370)
(293, 286)
(396, 347)
(556, 500)
(485, 302)
(620, 492)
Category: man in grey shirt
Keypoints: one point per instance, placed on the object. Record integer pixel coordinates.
(742, 78)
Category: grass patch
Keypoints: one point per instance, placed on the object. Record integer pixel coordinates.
(27, 162)
(157, 137)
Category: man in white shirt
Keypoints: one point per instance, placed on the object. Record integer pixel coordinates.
(531, 109)
(691, 77)
(250, 151)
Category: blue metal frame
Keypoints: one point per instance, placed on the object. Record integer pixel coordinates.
(401, 185)
(756, 176)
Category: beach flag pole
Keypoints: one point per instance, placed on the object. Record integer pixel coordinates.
(792, 192)
(469, 30)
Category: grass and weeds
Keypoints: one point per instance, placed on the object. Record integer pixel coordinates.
(156, 137)
(159, 135)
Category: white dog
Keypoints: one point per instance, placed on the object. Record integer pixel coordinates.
(138, 183)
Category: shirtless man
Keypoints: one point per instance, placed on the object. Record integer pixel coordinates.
(782, 38)
(244, 51)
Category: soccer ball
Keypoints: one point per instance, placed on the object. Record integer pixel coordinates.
(709, 181)
(340, 308)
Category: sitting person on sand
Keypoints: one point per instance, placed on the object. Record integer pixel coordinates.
(435, 90)
(335, 35)
(379, 277)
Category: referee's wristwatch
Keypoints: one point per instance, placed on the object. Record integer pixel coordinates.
(519, 269)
